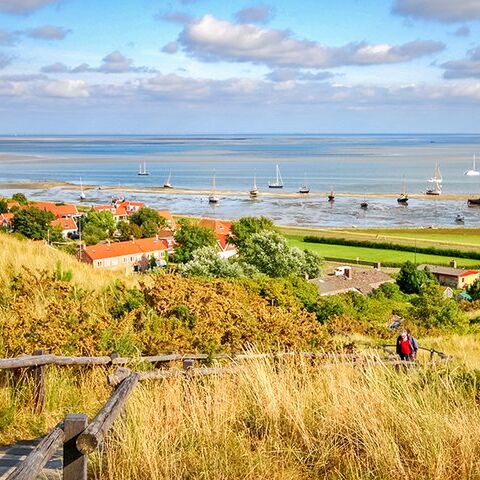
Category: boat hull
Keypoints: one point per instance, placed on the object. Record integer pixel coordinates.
(275, 186)
(473, 202)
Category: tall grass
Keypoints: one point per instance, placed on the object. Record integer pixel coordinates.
(16, 254)
(297, 421)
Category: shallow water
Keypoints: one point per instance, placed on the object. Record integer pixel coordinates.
(375, 163)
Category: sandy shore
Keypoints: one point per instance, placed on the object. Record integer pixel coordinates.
(41, 185)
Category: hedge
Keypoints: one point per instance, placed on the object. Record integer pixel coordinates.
(446, 252)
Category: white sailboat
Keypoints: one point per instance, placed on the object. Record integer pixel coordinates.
(254, 191)
(213, 198)
(278, 182)
(472, 172)
(436, 182)
(82, 193)
(142, 169)
(403, 198)
(168, 183)
(304, 188)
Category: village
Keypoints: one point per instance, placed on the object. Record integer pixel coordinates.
(140, 253)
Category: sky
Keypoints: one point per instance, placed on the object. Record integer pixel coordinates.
(205, 66)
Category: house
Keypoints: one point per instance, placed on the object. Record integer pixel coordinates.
(130, 206)
(6, 220)
(223, 233)
(60, 210)
(67, 225)
(131, 256)
(360, 280)
(167, 215)
(452, 276)
(119, 213)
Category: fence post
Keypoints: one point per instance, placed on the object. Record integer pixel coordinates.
(188, 363)
(38, 384)
(74, 462)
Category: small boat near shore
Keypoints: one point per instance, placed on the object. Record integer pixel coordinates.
(278, 182)
(436, 182)
(459, 218)
(142, 169)
(331, 196)
(254, 191)
(213, 198)
(82, 193)
(472, 172)
(473, 202)
(403, 198)
(168, 183)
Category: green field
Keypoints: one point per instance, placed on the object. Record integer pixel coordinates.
(457, 238)
(376, 255)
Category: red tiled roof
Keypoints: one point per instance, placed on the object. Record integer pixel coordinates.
(65, 223)
(220, 227)
(12, 204)
(120, 249)
(467, 273)
(6, 218)
(59, 211)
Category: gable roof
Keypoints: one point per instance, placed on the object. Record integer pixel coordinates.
(65, 223)
(220, 227)
(59, 210)
(362, 281)
(120, 249)
(449, 271)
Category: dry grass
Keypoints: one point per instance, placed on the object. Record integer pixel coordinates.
(15, 254)
(298, 421)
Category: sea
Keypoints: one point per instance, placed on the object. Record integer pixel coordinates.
(357, 164)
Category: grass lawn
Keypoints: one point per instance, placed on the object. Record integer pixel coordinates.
(459, 238)
(376, 255)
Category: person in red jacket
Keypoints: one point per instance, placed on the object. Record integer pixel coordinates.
(407, 346)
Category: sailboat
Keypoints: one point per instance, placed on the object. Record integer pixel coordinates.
(436, 180)
(331, 196)
(82, 193)
(364, 204)
(254, 191)
(168, 183)
(213, 198)
(472, 172)
(304, 188)
(403, 198)
(142, 169)
(278, 182)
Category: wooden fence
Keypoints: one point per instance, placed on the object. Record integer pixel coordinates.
(78, 438)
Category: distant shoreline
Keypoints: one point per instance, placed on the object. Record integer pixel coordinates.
(37, 185)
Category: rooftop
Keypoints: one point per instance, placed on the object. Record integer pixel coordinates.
(449, 271)
(120, 249)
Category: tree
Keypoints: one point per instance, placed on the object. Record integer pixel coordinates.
(205, 262)
(102, 223)
(312, 264)
(34, 223)
(149, 221)
(128, 230)
(410, 279)
(432, 310)
(247, 226)
(20, 198)
(270, 254)
(3, 206)
(474, 290)
(189, 237)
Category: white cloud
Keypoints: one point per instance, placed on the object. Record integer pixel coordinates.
(47, 32)
(211, 39)
(8, 39)
(468, 67)
(441, 10)
(4, 60)
(114, 62)
(255, 14)
(66, 89)
(24, 7)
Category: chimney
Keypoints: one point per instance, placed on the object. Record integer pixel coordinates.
(348, 273)
(453, 264)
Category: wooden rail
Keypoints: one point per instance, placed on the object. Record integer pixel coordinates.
(79, 439)
(31, 467)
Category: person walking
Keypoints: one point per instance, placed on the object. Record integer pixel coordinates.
(407, 346)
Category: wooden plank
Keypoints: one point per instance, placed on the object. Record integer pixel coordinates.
(74, 462)
(94, 434)
(31, 467)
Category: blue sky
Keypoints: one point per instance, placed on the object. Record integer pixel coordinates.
(202, 66)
